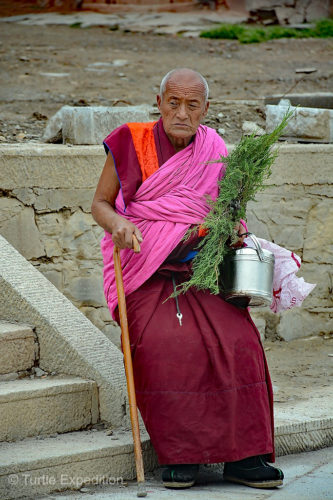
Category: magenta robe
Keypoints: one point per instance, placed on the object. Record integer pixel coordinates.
(203, 388)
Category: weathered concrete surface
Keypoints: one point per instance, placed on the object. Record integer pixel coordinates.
(68, 461)
(308, 476)
(45, 406)
(308, 124)
(17, 347)
(91, 124)
(68, 342)
(57, 183)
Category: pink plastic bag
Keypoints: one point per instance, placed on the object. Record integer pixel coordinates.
(288, 290)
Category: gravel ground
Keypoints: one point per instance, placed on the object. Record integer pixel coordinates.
(45, 67)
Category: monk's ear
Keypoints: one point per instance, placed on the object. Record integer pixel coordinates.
(158, 100)
(206, 108)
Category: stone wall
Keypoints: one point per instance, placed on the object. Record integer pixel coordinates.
(296, 212)
(288, 11)
(47, 192)
(45, 213)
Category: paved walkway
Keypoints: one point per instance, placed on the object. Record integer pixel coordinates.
(308, 476)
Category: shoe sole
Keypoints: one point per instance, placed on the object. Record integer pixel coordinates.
(178, 485)
(273, 483)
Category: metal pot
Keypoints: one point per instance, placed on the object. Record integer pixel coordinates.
(246, 276)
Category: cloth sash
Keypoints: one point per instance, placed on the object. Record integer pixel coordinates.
(166, 204)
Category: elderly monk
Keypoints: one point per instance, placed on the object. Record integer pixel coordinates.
(202, 383)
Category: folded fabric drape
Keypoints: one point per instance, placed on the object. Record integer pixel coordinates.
(166, 204)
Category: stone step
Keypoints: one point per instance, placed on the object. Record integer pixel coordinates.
(33, 466)
(18, 347)
(32, 407)
(304, 424)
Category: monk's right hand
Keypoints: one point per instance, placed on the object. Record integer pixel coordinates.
(122, 233)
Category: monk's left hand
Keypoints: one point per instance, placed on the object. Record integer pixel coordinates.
(241, 232)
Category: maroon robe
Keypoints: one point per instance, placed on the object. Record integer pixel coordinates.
(203, 388)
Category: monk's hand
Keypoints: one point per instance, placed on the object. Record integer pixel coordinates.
(240, 231)
(122, 233)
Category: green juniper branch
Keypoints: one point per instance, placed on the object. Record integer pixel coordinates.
(247, 167)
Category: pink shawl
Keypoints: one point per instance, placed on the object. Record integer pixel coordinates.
(164, 207)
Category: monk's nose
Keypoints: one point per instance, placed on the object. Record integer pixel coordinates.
(182, 113)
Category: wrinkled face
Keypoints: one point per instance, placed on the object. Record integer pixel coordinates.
(182, 106)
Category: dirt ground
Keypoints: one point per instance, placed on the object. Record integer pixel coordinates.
(29, 55)
(300, 367)
(240, 76)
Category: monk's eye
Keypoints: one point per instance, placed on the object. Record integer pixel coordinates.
(173, 104)
(193, 106)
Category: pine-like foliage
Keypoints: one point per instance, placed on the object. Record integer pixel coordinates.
(247, 167)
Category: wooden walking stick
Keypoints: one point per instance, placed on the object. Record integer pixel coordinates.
(129, 368)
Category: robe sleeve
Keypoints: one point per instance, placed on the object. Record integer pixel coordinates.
(120, 145)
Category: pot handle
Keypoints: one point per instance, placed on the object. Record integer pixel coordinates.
(257, 245)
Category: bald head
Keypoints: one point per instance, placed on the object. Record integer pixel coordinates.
(187, 77)
(183, 104)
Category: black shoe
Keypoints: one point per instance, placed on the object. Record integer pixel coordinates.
(180, 475)
(254, 472)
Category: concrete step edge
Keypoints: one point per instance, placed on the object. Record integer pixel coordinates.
(30, 453)
(305, 426)
(18, 347)
(307, 435)
(9, 330)
(314, 434)
(25, 471)
(27, 388)
(46, 406)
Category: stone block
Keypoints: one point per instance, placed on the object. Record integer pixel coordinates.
(281, 220)
(81, 236)
(9, 208)
(260, 323)
(50, 224)
(291, 11)
(97, 315)
(30, 407)
(25, 195)
(50, 166)
(322, 275)
(55, 277)
(17, 347)
(318, 241)
(317, 10)
(57, 199)
(21, 231)
(302, 165)
(101, 317)
(52, 248)
(113, 333)
(86, 291)
(290, 15)
(90, 125)
(310, 124)
(298, 322)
